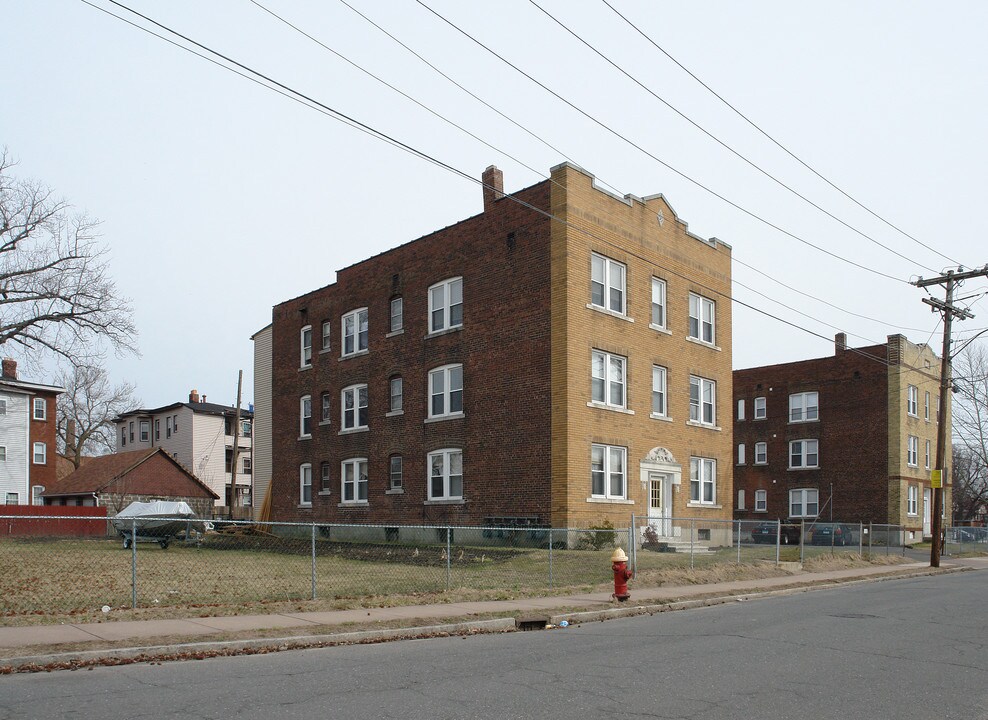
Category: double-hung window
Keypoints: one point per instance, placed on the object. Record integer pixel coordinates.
(40, 453)
(395, 472)
(702, 319)
(354, 481)
(759, 408)
(912, 501)
(446, 305)
(324, 415)
(927, 454)
(804, 503)
(607, 284)
(703, 401)
(446, 391)
(608, 473)
(659, 391)
(145, 430)
(608, 379)
(446, 475)
(305, 349)
(912, 451)
(305, 416)
(396, 395)
(326, 330)
(761, 453)
(703, 480)
(325, 481)
(761, 500)
(804, 407)
(397, 315)
(741, 453)
(354, 407)
(926, 406)
(804, 454)
(355, 332)
(305, 484)
(40, 409)
(658, 319)
(912, 400)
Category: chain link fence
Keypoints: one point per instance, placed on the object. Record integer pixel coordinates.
(238, 563)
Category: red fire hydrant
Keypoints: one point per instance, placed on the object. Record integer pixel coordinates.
(619, 564)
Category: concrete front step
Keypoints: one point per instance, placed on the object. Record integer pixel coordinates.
(679, 546)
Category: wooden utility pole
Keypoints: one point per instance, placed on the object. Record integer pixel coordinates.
(950, 279)
(236, 447)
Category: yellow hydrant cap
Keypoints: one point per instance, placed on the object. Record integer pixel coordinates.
(619, 556)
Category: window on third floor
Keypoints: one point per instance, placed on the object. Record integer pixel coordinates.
(804, 407)
(446, 305)
(702, 319)
(305, 346)
(608, 379)
(355, 332)
(607, 284)
(912, 401)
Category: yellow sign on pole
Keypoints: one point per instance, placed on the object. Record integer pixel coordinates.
(936, 478)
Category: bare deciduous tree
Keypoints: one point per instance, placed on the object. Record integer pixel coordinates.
(56, 294)
(86, 410)
(970, 433)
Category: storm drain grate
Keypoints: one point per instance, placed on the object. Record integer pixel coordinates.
(530, 623)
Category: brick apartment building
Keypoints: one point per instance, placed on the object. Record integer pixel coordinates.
(511, 369)
(862, 422)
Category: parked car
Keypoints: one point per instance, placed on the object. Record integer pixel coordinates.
(766, 532)
(832, 534)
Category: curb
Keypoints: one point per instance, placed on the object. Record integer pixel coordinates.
(202, 650)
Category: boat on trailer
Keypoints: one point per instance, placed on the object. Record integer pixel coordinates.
(157, 521)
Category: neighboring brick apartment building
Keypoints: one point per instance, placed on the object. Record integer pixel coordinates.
(863, 421)
(511, 369)
(199, 435)
(27, 437)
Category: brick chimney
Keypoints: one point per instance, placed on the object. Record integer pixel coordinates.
(194, 396)
(840, 343)
(10, 368)
(493, 180)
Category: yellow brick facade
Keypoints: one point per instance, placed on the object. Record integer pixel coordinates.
(648, 240)
(915, 366)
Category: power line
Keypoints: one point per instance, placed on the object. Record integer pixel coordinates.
(772, 139)
(638, 147)
(337, 115)
(720, 142)
(508, 155)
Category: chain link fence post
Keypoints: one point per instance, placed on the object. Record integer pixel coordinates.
(802, 541)
(550, 558)
(778, 541)
(449, 547)
(313, 561)
(739, 542)
(133, 564)
(633, 544)
(692, 523)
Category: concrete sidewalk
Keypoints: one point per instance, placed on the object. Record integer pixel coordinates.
(37, 644)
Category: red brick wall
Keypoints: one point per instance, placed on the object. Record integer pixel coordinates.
(158, 477)
(503, 258)
(852, 430)
(42, 431)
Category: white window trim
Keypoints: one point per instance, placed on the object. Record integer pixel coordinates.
(764, 448)
(355, 390)
(325, 341)
(607, 495)
(664, 389)
(804, 453)
(304, 349)
(447, 391)
(701, 382)
(660, 284)
(606, 402)
(761, 498)
(44, 453)
(702, 302)
(357, 350)
(355, 462)
(326, 409)
(740, 415)
(400, 487)
(698, 463)
(392, 328)
(804, 407)
(741, 500)
(912, 451)
(392, 410)
(43, 404)
(764, 409)
(912, 401)
(804, 496)
(606, 307)
(912, 501)
(447, 306)
(928, 448)
(926, 406)
(446, 453)
(302, 502)
(741, 454)
(302, 434)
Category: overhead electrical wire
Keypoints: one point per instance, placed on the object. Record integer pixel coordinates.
(720, 142)
(302, 32)
(352, 122)
(643, 150)
(778, 144)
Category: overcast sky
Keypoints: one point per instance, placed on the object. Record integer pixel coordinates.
(220, 198)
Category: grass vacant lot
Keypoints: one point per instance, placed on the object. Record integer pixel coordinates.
(45, 581)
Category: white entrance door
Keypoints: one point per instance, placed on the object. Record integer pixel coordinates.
(927, 513)
(659, 503)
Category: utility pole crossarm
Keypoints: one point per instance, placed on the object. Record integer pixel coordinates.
(959, 313)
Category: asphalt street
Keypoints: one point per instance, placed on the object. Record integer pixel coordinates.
(894, 649)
